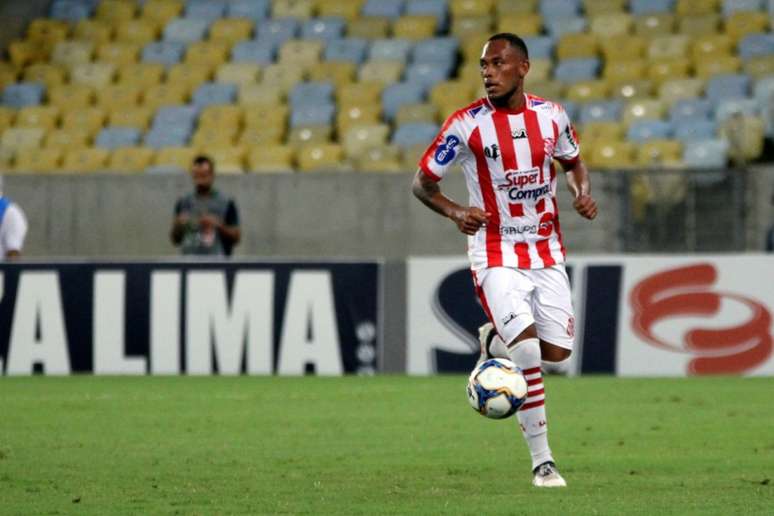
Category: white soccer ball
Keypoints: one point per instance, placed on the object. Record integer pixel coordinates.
(497, 388)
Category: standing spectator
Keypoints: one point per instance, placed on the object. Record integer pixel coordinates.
(206, 222)
(13, 227)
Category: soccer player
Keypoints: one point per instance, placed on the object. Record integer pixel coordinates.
(13, 228)
(506, 144)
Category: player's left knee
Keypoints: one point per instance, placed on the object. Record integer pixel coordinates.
(552, 353)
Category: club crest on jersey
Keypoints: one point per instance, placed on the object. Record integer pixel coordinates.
(445, 152)
(492, 152)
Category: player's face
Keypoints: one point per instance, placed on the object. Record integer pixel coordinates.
(202, 176)
(503, 69)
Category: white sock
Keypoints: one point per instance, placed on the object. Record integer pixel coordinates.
(532, 415)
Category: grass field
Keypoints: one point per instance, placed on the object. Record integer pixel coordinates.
(389, 444)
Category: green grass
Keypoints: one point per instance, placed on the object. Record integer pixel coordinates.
(398, 445)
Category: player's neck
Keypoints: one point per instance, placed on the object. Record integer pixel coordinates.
(514, 102)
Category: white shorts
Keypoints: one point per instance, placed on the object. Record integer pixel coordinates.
(514, 299)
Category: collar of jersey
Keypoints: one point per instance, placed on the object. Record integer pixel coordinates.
(508, 110)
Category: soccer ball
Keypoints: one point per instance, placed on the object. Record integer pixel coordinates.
(497, 388)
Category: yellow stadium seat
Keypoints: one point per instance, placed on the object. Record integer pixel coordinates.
(49, 74)
(539, 69)
(414, 27)
(710, 46)
(45, 117)
(423, 112)
(320, 157)
(468, 27)
(312, 134)
(259, 136)
(745, 135)
(361, 137)
(759, 67)
(362, 93)
(595, 7)
(337, 72)
(6, 160)
(231, 30)
(188, 75)
(605, 131)
(66, 139)
(262, 116)
(718, 65)
(282, 75)
(385, 72)
(411, 156)
(620, 48)
(471, 48)
(649, 25)
(16, 138)
(586, 91)
(698, 26)
(611, 24)
(678, 89)
(221, 136)
(88, 119)
(47, 31)
(261, 94)
(742, 23)
(175, 157)
(468, 8)
(38, 160)
(271, 158)
(385, 158)
(611, 155)
(85, 160)
(139, 31)
(470, 74)
(643, 109)
(300, 52)
(71, 96)
(229, 159)
(551, 90)
(116, 10)
(238, 73)
(668, 47)
(624, 70)
(143, 75)
(577, 45)
(455, 92)
(636, 89)
(369, 27)
(667, 69)
(72, 52)
(25, 52)
(96, 75)
(505, 7)
(137, 117)
(122, 96)
(294, 8)
(357, 115)
(221, 116)
(207, 53)
(7, 116)
(96, 31)
(696, 7)
(130, 159)
(523, 24)
(659, 152)
(161, 11)
(347, 10)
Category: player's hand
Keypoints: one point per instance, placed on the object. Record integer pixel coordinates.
(586, 206)
(182, 219)
(470, 219)
(209, 221)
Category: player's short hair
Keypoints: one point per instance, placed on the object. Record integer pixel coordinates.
(202, 159)
(513, 39)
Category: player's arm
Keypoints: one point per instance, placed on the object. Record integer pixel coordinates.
(580, 185)
(179, 224)
(229, 227)
(469, 219)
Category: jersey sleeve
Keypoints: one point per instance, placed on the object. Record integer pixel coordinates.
(444, 151)
(567, 150)
(14, 229)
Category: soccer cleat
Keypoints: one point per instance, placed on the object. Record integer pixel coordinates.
(486, 333)
(546, 475)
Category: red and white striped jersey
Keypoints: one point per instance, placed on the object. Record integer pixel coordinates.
(507, 158)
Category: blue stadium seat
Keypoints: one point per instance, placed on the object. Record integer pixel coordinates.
(348, 49)
(277, 30)
(163, 52)
(326, 28)
(399, 94)
(732, 6)
(117, 137)
(305, 115)
(726, 86)
(311, 93)
(575, 70)
(209, 10)
(390, 49)
(176, 118)
(559, 8)
(259, 52)
(690, 109)
(437, 8)
(558, 27)
(644, 130)
(256, 10)
(695, 129)
(436, 50)
(186, 30)
(601, 111)
(540, 47)
(571, 108)
(408, 135)
(213, 93)
(756, 45)
(71, 10)
(763, 92)
(23, 94)
(386, 8)
(727, 107)
(427, 74)
(651, 6)
(706, 154)
(159, 138)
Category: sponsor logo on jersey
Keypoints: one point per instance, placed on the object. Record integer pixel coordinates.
(508, 318)
(519, 178)
(445, 152)
(473, 112)
(569, 132)
(532, 229)
(492, 152)
(518, 134)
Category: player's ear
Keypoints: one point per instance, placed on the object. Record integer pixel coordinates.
(523, 68)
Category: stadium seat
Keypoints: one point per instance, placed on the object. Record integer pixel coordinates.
(44, 117)
(85, 160)
(576, 45)
(398, 94)
(37, 160)
(16, 138)
(732, 6)
(654, 25)
(139, 31)
(368, 27)
(301, 9)
(66, 139)
(451, 92)
(690, 109)
(136, 117)
(116, 137)
(320, 157)
(142, 75)
(727, 86)
(165, 95)
(624, 70)
(710, 46)
(118, 54)
(305, 115)
(185, 30)
(384, 72)
(311, 93)
(759, 67)
(661, 70)
(696, 7)
(611, 24)
(209, 10)
(252, 94)
(238, 73)
(23, 94)
(130, 159)
(70, 10)
(119, 96)
(88, 119)
(163, 52)
(411, 134)
(587, 91)
(668, 47)
(174, 158)
(258, 137)
(254, 52)
(689, 130)
(356, 116)
(214, 93)
(414, 27)
(115, 10)
(158, 138)
(95, 31)
(351, 50)
(300, 53)
(523, 24)
(208, 53)
(390, 50)
(608, 131)
(282, 76)
(700, 25)
(756, 45)
(360, 94)
(644, 130)
(161, 11)
(516, 6)
(255, 10)
(611, 155)
(545, 89)
(347, 10)
(188, 75)
(7, 116)
(728, 107)
(539, 47)
(595, 7)
(385, 158)
(574, 70)
(745, 136)
(323, 28)
(48, 74)
(230, 31)
(706, 154)
(23, 53)
(740, 24)
(435, 50)
(337, 72)
(72, 52)
(383, 8)
(96, 75)
(664, 153)
(601, 111)
(411, 113)
(221, 116)
(559, 8)
(229, 159)
(47, 31)
(720, 65)
(425, 74)
(270, 158)
(677, 89)
(278, 30)
(558, 27)
(310, 134)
